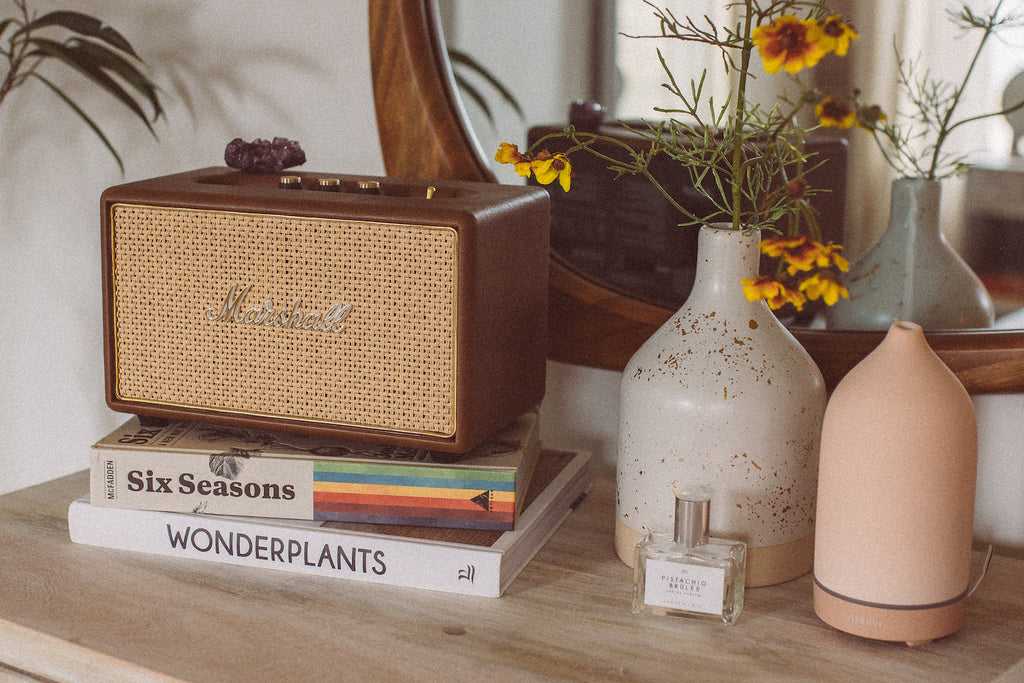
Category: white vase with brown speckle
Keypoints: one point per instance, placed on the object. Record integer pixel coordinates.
(724, 397)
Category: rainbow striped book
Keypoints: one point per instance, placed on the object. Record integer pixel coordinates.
(467, 561)
(210, 469)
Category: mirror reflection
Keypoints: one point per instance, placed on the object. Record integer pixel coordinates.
(549, 54)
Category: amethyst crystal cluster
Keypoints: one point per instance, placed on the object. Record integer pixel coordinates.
(263, 156)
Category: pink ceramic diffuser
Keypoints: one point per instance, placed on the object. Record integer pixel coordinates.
(895, 502)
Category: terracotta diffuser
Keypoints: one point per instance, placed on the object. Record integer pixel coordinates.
(896, 496)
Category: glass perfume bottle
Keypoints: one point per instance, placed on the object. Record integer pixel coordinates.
(690, 574)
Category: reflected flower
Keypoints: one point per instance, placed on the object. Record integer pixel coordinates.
(838, 35)
(790, 43)
(831, 113)
(825, 285)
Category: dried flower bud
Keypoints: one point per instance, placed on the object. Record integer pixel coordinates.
(870, 116)
(797, 188)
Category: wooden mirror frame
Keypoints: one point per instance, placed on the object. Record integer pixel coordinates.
(424, 134)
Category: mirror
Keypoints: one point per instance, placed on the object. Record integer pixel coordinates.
(424, 133)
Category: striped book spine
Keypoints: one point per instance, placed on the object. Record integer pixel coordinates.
(390, 494)
(193, 467)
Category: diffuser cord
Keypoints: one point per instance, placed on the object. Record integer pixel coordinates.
(984, 570)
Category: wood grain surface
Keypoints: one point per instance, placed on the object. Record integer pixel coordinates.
(567, 617)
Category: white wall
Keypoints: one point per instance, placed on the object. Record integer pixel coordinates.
(262, 68)
(539, 49)
(306, 78)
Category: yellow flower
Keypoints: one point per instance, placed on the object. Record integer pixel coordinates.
(777, 245)
(547, 167)
(509, 154)
(760, 287)
(838, 35)
(790, 43)
(787, 296)
(824, 285)
(829, 112)
(799, 252)
(775, 293)
(828, 255)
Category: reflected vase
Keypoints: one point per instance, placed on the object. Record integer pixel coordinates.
(912, 273)
(722, 396)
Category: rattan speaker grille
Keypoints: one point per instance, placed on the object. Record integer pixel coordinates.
(393, 366)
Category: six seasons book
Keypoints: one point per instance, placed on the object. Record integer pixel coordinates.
(204, 468)
(467, 561)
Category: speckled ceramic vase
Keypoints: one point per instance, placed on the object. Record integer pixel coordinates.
(723, 396)
(899, 452)
(912, 273)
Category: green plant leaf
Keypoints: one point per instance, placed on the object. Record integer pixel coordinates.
(84, 62)
(459, 57)
(120, 66)
(82, 24)
(470, 91)
(85, 117)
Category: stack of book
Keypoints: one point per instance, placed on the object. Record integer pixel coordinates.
(462, 523)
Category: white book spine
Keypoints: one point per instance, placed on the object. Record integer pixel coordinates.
(311, 550)
(155, 480)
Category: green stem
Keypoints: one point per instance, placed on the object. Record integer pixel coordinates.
(679, 207)
(635, 167)
(946, 128)
(738, 171)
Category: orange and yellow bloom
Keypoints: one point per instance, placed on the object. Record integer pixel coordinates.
(548, 167)
(774, 292)
(830, 112)
(790, 43)
(799, 254)
(509, 154)
(828, 256)
(544, 166)
(824, 285)
(838, 35)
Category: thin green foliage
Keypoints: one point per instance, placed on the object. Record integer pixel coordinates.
(913, 144)
(737, 154)
(89, 48)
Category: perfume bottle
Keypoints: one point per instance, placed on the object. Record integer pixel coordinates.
(690, 574)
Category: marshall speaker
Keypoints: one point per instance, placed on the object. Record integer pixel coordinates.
(387, 310)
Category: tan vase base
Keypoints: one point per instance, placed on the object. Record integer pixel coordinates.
(912, 626)
(766, 565)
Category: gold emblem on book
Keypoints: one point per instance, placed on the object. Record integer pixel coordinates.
(233, 310)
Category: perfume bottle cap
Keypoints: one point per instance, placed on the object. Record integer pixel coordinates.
(692, 512)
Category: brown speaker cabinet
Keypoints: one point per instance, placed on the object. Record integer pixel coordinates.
(416, 316)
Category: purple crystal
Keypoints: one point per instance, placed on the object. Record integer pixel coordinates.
(263, 156)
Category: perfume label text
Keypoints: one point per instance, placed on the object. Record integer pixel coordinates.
(686, 587)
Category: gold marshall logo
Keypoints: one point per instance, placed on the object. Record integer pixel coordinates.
(231, 311)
